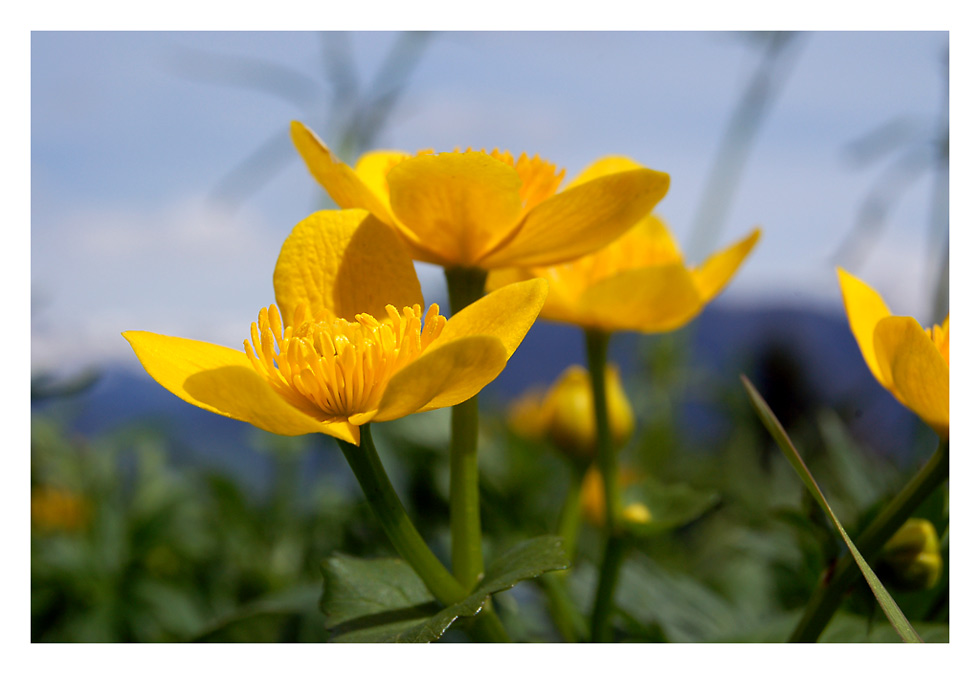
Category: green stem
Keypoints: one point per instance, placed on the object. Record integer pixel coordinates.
(570, 519)
(570, 623)
(388, 508)
(596, 348)
(405, 538)
(829, 594)
(465, 287)
(612, 560)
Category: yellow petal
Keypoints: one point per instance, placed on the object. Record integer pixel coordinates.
(372, 168)
(649, 299)
(604, 167)
(506, 314)
(347, 262)
(443, 376)
(580, 220)
(337, 178)
(648, 243)
(221, 380)
(712, 276)
(916, 371)
(457, 204)
(865, 309)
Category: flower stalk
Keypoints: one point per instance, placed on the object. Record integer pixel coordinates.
(829, 594)
(465, 286)
(405, 538)
(570, 519)
(597, 347)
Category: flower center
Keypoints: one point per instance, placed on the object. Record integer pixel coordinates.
(539, 178)
(341, 367)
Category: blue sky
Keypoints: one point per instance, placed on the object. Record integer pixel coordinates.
(126, 147)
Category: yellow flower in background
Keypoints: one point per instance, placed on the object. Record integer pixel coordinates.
(639, 282)
(487, 210)
(565, 414)
(347, 342)
(911, 559)
(594, 502)
(912, 363)
(58, 509)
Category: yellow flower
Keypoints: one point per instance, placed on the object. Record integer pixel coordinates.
(54, 508)
(911, 363)
(911, 559)
(348, 342)
(566, 414)
(639, 282)
(486, 210)
(593, 498)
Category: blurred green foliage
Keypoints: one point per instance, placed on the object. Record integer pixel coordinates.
(127, 546)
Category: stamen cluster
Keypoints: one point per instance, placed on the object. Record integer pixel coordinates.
(342, 367)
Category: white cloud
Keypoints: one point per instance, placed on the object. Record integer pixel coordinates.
(191, 268)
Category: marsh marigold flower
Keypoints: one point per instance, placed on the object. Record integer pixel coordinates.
(912, 363)
(639, 282)
(565, 414)
(486, 209)
(347, 341)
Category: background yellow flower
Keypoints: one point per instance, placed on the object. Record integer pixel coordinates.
(639, 282)
(910, 362)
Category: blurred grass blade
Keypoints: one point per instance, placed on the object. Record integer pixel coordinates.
(888, 605)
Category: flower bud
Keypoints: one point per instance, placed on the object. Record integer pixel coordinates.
(57, 509)
(593, 498)
(571, 425)
(911, 559)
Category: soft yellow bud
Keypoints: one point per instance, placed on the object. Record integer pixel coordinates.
(911, 559)
(571, 415)
(527, 416)
(54, 508)
(637, 513)
(593, 498)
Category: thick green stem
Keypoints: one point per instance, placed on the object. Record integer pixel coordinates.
(570, 519)
(596, 348)
(612, 560)
(388, 508)
(829, 594)
(465, 287)
(405, 538)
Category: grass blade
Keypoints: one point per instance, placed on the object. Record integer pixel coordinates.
(888, 605)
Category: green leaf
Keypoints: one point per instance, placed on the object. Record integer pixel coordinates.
(294, 600)
(888, 605)
(669, 505)
(384, 600)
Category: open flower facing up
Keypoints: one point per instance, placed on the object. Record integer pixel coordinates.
(912, 363)
(639, 282)
(348, 342)
(487, 210)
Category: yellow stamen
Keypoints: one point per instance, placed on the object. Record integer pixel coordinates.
(342, 367)
(539, 179)
(939, 334)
